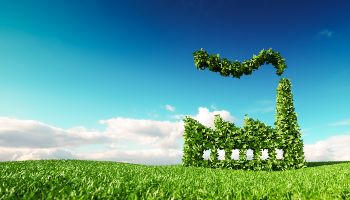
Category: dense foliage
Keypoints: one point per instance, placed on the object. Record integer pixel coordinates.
(236, 69)
(254, 135)
(286, 124)
(226, 136)
(77, 179)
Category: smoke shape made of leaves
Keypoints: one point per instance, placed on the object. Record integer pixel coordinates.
(236, 69)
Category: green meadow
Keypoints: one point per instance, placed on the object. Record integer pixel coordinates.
(79, 179)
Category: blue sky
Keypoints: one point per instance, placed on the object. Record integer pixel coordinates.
(71, 64)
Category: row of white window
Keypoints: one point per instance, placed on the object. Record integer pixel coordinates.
(250, 153)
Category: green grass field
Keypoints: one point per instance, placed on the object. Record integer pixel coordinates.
(77, 179)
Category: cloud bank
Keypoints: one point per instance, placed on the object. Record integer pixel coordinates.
(140, 141)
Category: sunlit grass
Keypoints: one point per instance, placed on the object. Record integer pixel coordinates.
(77, 179)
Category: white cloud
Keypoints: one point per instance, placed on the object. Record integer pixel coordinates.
(20, 153)
(157, 141)
(335, 148)
(345, 122)
(206, 117)
(151, 133)
(30, 133)
(170, 108)
(325, 33)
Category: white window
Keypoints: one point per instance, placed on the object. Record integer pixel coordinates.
(221, 154)
(235, 154)
(250, 153)
(206, 154)
(279, 154)
(264, 154)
